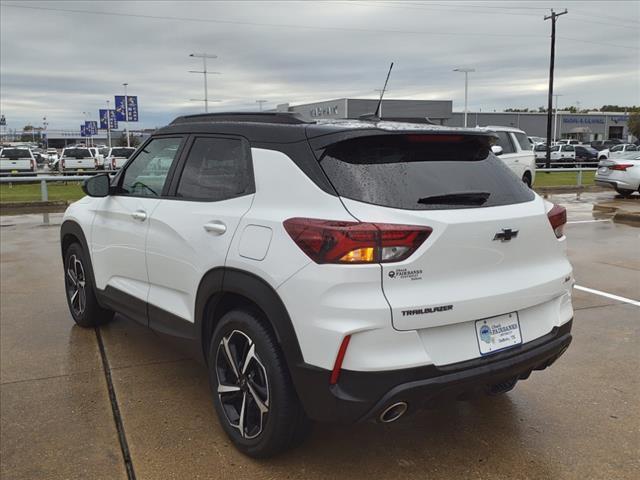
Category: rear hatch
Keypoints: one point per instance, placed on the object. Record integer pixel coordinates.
(491, 251)
(119, 156)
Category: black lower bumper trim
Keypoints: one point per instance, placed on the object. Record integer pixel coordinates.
(361, 396)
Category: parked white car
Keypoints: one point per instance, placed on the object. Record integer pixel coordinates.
(563, 153)
(16, 160)
(341, 271)
(117, 157)
(568, 141)
(76, 159)
(617, 151)
(621, 173)
(514, 149)
(51, 155)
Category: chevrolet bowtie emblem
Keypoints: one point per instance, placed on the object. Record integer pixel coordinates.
(506, 234)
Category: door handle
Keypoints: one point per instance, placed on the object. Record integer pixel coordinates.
(215, 227)
(139, 215)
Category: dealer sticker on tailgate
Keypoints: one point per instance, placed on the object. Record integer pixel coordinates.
(498, 333)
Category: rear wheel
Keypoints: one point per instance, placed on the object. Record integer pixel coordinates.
(251, 386)
(624, 192)
(80, 290)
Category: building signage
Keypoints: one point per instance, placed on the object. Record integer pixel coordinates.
(324, 111)
(618, 118)
(583, 120)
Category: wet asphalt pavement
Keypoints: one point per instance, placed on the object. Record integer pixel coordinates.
(578, 419)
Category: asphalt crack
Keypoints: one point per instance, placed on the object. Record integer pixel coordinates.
(117, 417)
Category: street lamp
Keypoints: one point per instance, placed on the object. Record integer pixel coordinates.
(466, 88)
(126, 113)
(204, 71)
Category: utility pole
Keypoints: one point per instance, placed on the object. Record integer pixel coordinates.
(260, 102)
(126, 113)
(554, 16)
(555, 122)
(466, 88)
(204, 71)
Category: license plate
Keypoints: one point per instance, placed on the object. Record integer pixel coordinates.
(81, 169)
(14, 171)
(498, 333)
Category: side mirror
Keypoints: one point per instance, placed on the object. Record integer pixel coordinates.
(496, 149)
(97, 186)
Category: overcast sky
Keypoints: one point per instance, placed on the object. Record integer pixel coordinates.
(59, 59)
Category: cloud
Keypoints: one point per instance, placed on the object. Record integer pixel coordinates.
(60, 64)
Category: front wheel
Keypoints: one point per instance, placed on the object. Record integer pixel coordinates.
(80, 290)
(252, 390)
(624, 192)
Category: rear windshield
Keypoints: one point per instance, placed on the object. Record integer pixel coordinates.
(414, 172)
(122, 152)
(15, 153)
(77, 153)
(541, 148)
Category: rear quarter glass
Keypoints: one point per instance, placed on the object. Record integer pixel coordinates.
(399, 171)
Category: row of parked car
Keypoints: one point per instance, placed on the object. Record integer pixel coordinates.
(24, 160)
(567, 151)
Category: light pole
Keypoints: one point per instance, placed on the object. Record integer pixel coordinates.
(466, 88)
(555, 122)
(126, 113)
(204, 71)
(260, 102)
(108, 125)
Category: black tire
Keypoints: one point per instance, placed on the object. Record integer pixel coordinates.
(80, 290)
(624, 192)
(265, 383)
(526, 178)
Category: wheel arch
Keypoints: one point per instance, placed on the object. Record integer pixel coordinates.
(223, 289)
(71, 232)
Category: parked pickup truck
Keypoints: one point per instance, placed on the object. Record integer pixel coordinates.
(17, 161)
(117, 157)
(77, 159)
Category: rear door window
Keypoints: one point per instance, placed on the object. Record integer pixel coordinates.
(414, 172)
(216, 169)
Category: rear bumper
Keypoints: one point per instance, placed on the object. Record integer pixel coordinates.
(614, 183)
(360, 396)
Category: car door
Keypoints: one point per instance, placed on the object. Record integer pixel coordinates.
(121, 223)
(190, 231)
(616, 151)
(509, 153)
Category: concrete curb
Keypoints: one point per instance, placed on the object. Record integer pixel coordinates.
(621, 213)
(18, 208)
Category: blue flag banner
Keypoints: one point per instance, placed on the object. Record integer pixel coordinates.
(83, 131)
(108, 119)
(131, 108)
(91, 127)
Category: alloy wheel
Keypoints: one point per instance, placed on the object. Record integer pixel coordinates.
(243, 386)
(76, 285)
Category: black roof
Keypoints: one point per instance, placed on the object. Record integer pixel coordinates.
(286, 127)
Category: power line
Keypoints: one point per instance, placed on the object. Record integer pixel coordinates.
(306, 27)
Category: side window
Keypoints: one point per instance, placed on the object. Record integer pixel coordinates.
(617, 148)
(555, 148)
(504, 140)
(215, 169)
(147, 173)
(570, 148)
(524, 142)
(631, 148)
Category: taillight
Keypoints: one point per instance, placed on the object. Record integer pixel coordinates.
(558, 218)
(113, 163)
(33, 165)
(331, 241)
(621, 166)
(62, 162)
(95, 162)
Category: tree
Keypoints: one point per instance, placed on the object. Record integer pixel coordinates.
(133, 140)
(634, 124)
(619, 108)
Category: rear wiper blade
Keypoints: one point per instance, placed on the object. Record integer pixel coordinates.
(462, 198)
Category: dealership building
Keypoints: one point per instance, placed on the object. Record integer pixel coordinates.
(583, 126)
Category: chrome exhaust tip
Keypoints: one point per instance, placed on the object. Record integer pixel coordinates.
(393, 412)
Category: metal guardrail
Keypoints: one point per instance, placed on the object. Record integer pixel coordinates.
(577, 170)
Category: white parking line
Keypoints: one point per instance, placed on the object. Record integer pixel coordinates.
(608, 295)
(591, 221)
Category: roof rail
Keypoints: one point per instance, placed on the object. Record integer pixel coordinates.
(253, 117)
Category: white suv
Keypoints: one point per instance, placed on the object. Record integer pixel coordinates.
(515, 150)
(333, 271)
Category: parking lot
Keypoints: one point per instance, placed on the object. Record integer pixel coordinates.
(579, 419)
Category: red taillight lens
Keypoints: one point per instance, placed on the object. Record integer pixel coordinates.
(558, 218)
(113, 163)
(621, 166)
(330, 241)
(337, 366)
(33, 165)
